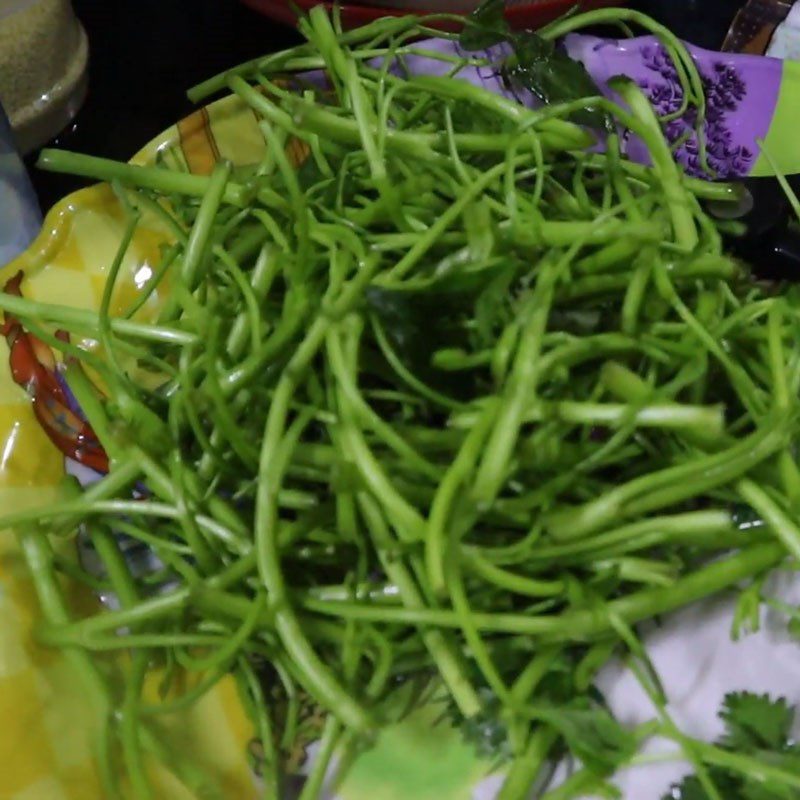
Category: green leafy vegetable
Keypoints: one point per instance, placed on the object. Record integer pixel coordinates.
(591, 733)
(485, 26)
(444, 414)
(755, 722)
(533, 63)
(757, 727)
(692, 789)
(539, 66)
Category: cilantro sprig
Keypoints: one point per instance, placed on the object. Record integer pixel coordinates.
(754, 756)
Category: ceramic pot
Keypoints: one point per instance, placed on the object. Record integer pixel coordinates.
(43, 65)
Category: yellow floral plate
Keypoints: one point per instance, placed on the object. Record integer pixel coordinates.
(44, 739)
(46, 731)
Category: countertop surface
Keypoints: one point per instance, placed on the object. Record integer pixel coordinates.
(144, 54)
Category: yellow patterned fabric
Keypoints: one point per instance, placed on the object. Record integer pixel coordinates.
(47, 725)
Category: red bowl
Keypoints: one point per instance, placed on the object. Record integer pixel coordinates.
(519, 14)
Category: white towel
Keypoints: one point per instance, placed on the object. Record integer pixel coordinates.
(786, 39)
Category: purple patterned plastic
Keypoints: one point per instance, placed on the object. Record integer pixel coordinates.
(741, 95)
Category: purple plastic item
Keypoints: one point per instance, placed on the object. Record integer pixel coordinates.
(741, 92)
(741, 95)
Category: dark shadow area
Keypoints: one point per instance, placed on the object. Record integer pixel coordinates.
(144, 55)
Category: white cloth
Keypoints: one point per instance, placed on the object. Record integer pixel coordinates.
(786, 39)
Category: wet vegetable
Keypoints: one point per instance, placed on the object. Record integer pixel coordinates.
(450, 410)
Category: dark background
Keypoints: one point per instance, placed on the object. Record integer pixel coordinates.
(144, 54)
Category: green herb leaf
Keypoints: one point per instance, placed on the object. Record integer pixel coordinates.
(419, 323)
(591, 733)
(754, 722)
(485, 26)
(551, 75)
(536, 64)
(691, 788)
(486, 731)
(758, 727)
(747, 614)
(753, 789)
